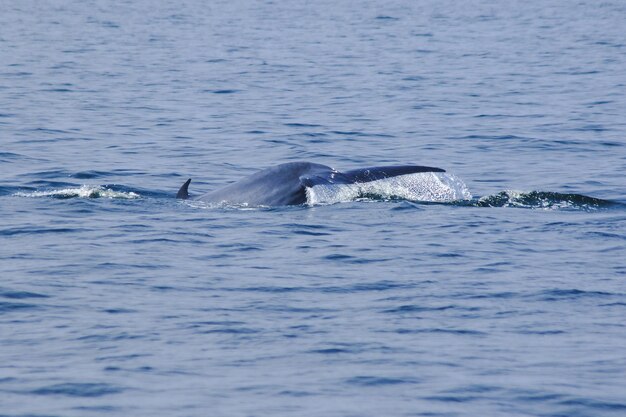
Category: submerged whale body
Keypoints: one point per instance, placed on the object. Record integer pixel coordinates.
(296, 183)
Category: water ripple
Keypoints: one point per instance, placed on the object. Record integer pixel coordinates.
(79, 389)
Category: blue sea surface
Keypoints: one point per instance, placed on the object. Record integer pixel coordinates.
(116, 299)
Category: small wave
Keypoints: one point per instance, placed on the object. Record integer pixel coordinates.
(78, 389)
(543, 200)
(373, 381)
(8, 307)
(84, 191)
(433, 187)
(18, 295)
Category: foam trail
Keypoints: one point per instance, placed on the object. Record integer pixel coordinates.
(425, 186)
(84, 191)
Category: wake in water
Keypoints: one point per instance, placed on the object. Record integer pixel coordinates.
(433, 188)
(546, 200)
(446, 188)
(84, 191)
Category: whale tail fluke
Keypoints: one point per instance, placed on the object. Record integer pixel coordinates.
(183, 193)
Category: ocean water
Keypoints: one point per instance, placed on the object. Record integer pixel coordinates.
(118, 300)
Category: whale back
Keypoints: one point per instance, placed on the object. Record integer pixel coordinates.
(287, 184)
(281, 185)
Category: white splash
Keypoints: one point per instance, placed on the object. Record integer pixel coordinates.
(199, 204)
(85, 191)
(424, 186)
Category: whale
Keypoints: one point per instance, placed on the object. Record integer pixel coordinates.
(290, 183)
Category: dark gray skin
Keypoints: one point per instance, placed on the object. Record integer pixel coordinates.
(285, 184)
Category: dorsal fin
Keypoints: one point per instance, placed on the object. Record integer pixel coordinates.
(183, 193)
